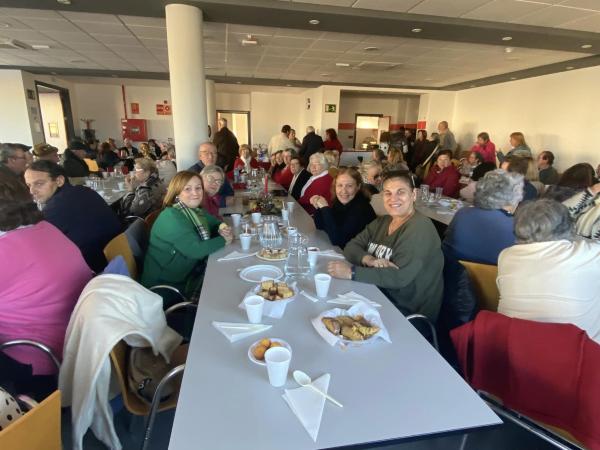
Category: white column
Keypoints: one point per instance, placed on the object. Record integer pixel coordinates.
(211, 105)
(186, 72)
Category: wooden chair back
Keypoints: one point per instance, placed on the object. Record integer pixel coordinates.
(119, 245)
(483, 279)
(39, 429)
(151, 218)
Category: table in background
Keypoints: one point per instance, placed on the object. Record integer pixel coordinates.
(111, 189)
(440, 212)
(391, 391)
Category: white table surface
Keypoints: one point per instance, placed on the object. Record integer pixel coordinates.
(440, 212)
(390, 391)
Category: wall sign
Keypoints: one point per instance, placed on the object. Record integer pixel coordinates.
(135, 108)
(330, 108)
(163, 109)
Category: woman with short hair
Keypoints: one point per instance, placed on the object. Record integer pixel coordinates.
(145, 190)
(182, 238)
(399, 253)
(574, 180)
(245, 162)
(331, 141)
(485, 147)
(350, 211)
(284, 176)
(318, 184)
(213, 178)
(550, 275)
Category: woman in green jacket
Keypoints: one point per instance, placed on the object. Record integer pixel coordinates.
(399, 252)
(183, 237)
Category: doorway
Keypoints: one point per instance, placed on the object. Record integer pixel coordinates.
(238, 123)
(55, 111)
(368, 129)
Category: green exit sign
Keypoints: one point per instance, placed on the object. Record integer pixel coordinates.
(330, 108)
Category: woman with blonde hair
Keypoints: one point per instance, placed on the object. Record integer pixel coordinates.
(333, 158)
(518, 147)
(183, 237)
(396, 159)
(146, 152)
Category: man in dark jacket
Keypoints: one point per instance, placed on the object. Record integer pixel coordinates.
(227, 146)
(73, 161)
(79, 212)
(311, 143)
(13, 160)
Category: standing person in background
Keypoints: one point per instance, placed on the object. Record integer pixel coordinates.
(331, 141)
(408, 146)
(419, 154)
(443, 174)
(300, 177)
(281, 141)
(227, 145)
(485, 147)
(518, 147)
(311, 144)
(447, 140)
(547, 173)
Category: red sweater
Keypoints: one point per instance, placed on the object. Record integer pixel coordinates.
(316, 186)
(547, 371)
(211, 205)
(284, 177)
(447, 179)
(333, 145)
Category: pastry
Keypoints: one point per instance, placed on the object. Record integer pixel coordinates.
(272, 290)
(355, 328)
(261, 348)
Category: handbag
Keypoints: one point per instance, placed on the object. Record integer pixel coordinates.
(145, 370)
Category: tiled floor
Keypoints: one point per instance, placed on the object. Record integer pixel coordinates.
(506, 437)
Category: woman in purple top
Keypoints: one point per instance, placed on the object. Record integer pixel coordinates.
(42, 275)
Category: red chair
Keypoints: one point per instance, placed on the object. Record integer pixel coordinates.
(542, 376)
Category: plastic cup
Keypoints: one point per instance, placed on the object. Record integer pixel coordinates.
(245, 241)
(236, 219)
(290, 206)
(322, 282)
(292, 231)
(438, 193)
(285, 214)
(121, 185)
(256, 217)
(278, 363)
(313, 256)
(254, 308)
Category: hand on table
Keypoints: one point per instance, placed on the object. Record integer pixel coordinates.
(318, 201)
(595, 188)
(371, 261)
(340, 269)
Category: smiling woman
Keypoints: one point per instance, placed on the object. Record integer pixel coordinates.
(400, 252)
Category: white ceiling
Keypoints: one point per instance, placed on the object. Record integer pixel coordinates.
(581, 15)
(129, 43)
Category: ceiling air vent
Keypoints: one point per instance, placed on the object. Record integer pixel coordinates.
(370, 66)
(13, 44)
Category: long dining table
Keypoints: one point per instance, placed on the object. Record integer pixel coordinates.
(391, 392)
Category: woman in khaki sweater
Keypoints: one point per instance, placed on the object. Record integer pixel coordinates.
(400, 252)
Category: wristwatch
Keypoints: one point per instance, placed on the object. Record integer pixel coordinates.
(353, 272)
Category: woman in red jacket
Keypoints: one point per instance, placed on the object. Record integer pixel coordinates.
(443, 174)
(285, 175)
(331, 140)
(318, 184)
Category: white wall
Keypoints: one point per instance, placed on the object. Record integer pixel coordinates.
(14, 118)
(556, 112)
(435, 107)
(51, 111)
(272, 110)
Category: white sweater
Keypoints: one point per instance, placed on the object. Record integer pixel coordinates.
(110, 308)
(557, 281)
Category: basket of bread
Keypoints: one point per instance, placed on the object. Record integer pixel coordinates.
(357, 326)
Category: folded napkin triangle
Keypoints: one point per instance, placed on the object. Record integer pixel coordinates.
(235, 255)
(307, 404)
(236, 331)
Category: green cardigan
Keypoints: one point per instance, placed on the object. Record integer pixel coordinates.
(417, 285)
(175, 249)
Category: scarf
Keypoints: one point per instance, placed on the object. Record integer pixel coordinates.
(196, 216)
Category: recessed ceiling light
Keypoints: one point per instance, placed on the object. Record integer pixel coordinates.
(115, 76)
(325, 74)
(314, 22)
(64, 2)
(416, 30)
(428, 79)
(569, 67)
(40, 46)
(507, 38)
(371, 49)
(586, 46)
(238, 82)
(513, 78)
(340, 64)
(53, 73)
(289, 85)
(473, 85)
(508, 50)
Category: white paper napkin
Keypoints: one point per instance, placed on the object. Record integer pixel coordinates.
(310, 297)
(273, 309)
(352, 298)
(331, 254)
(235, 255)
(236, 331)
(307, 404)
(361, 308)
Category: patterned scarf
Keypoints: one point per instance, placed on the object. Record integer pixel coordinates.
(196, 216)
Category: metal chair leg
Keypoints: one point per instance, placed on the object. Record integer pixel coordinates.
(422, 318)
(463, 442)
(156, 402)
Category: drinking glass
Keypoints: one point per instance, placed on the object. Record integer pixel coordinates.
(424, 193)
(269, 234)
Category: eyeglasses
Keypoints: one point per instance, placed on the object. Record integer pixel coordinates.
(208, 153)
(211, 180)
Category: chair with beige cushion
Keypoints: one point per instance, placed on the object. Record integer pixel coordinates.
(483, 279)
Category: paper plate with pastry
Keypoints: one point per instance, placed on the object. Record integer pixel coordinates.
(277, 295)
(354, 327)
(272, 254)
(256, 352)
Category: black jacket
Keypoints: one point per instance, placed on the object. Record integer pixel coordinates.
(299, 184)
(227, 148)
(85, 218)
(74, 166)
(107, 159)
(311, 143)
(343, 222)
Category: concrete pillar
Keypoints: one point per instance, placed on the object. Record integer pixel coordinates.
(211, 105)
(188, 89)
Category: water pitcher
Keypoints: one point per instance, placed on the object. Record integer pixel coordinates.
(297, 260)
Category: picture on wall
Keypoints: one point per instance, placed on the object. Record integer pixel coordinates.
(53, 129)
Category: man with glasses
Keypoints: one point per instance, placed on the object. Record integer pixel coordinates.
(207, 156)
(13, 160)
